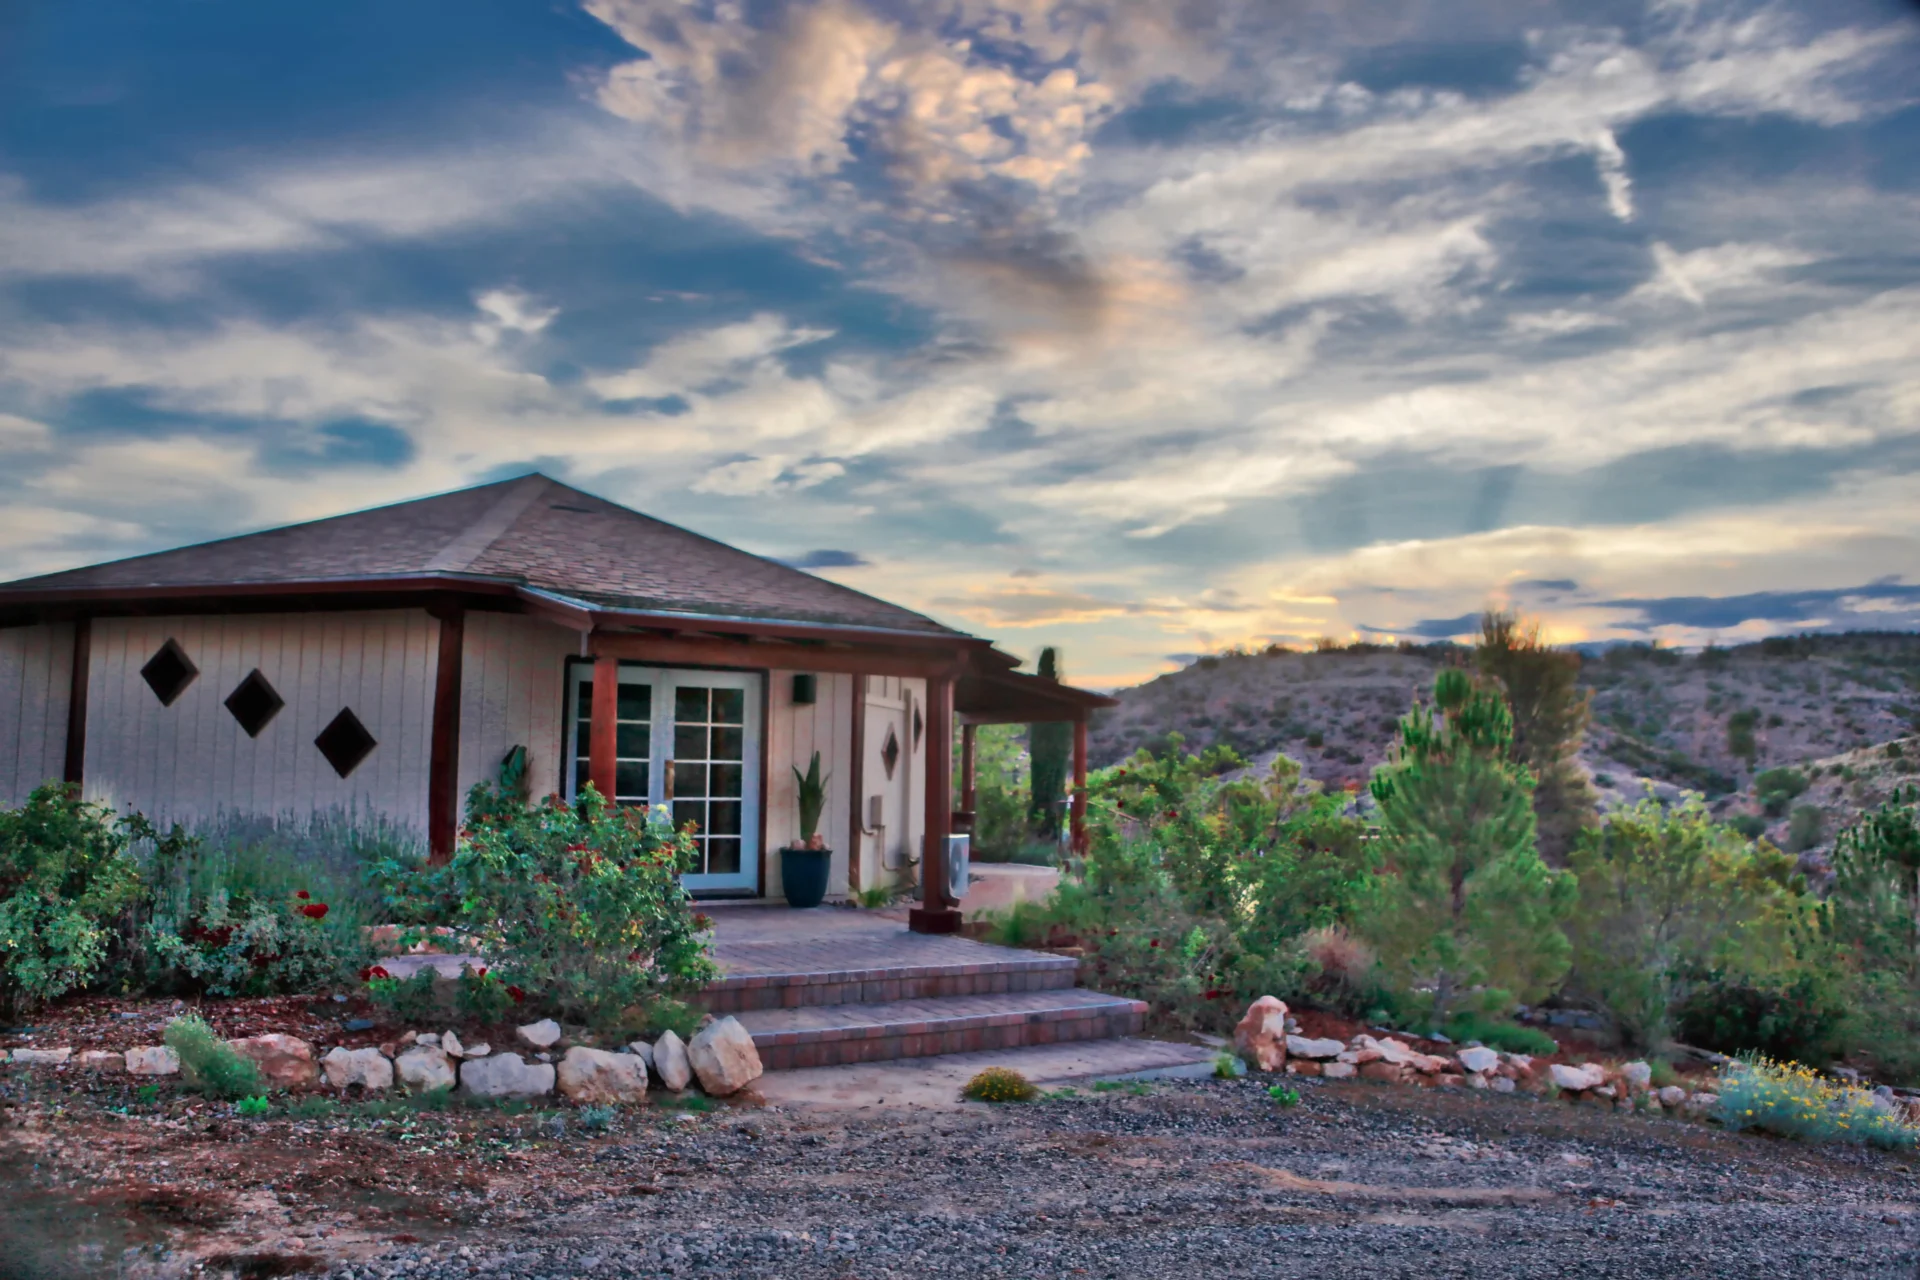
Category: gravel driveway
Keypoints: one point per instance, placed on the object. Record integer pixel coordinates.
(1190, 1179)
(1210, 1180)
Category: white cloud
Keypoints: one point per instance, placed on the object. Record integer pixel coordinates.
(510, 311)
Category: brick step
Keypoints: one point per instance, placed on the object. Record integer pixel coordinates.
(836, 1035)
(781, 979)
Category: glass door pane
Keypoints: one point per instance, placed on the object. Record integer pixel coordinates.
(709, 759)
(632, 737)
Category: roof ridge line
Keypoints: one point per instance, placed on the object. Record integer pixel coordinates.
(472, 543)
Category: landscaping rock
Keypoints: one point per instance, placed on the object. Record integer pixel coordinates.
(1475, 1080)
(723, 1056)
(368, 1068)
(1337, 1070)
(1386, 1072)
(505, 1075)
(451, 1046)
(480, 1050)
(543, 1034)
(642, 1050)
(1576, 1079)
(152, 1060)
(1637, 1074)
(41, 1057)
(1324, 1050)
(431, 1040)
(670, 1062)
(1672, 1096)
(1500, 1084)
(1261, 1037)
(1481, 1060)
(102, 1060)
(595, 1075)
(424, 1067)
(285, 1062)
(1518, 1061)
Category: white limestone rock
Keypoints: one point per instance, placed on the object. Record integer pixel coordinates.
(1319, 1050)
(1672, 1096)
(42, 1057)
(597, 1076)
(1577, 1079)
(424, 1067)
(1500, 1084)
(285, 1062)
(724, 1057)
(1479, 1060)
(451, 1046)
(505, 1075)
(153, 1060)
(1638, 1075)
(368, 1068)
(643, 1051)
(1338, 1071)
(102, 1060)
(543, 1034)
(670, 1062)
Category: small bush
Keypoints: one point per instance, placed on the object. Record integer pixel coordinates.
(1000, 1084)
(1807, 828)
(405, 999)
(1792, 1101)
(1777, 788)
(210, 1064)
(481, 996)
(314, 1107)
(1796, 1016)
(597, 1119)
(1227, 1066)
(1284, 1096)
(1751, 826)
(65, 873)
(252, 1108)
(1509, 1037)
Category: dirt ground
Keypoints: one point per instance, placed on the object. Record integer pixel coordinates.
(1211, 1177)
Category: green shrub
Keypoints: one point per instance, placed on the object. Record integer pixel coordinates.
(252, 1108)
(1740, 736)
(210, 1064)
(1792, 1101)
(1797, 1016)
(414, 999)
(1284, 1096)
(1000, 796)
(1778, 788)
(480, 996)
(1228, 1066)
(580, 906)
(1875, 921)
(1667, 894)
(1751, 826)
(1000, 1084)
(65, 875)
(1510, 1037)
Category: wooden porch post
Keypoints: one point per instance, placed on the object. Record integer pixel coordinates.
(602, 720)
(1079, 827)
(939, 913)
(443, 751)
(75, 772)
(857, 786)
(966, 767)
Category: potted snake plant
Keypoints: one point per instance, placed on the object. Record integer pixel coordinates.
(805, 863)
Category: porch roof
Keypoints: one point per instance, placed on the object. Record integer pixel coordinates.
(984, 696)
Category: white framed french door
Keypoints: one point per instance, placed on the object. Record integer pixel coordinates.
(689, 740)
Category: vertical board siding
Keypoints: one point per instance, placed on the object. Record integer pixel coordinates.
(794, 733)
(512, 695)
(193, 760)
(35, 663)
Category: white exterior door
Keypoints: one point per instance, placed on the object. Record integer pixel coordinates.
(888, 779)
(690, 740)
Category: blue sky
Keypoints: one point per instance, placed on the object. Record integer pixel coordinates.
(1142, 327)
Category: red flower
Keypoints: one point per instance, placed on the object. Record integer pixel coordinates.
(314, 911)
(1154, 943)
(481, 972)
(702, 921)
(302, 894)
(373, 971)
(516, 995)
(1212, 995)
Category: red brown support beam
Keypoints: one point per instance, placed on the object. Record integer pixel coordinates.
(602, 721)
(1079, 821)
(856, 784)
(686, 651)
(939, 913)
(76, 762)
(443, 760)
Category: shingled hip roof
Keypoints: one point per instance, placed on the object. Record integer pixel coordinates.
(531, 532)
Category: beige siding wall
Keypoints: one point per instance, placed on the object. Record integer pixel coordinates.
(35, 671)
(794, 733)
(513, 671)
(891, 701)
(193, 759)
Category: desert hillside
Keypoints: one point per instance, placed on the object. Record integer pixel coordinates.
(1708, 721)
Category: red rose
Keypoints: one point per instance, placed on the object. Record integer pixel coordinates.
(481, 972)
(1154, 943)
(314, 911)
(516, 995)
(303, 895)
(367, 975)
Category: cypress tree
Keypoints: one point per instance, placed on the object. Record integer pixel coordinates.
(1465, 908)
(1550, 716)
(1048, 748)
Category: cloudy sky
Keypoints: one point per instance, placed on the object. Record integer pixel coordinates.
(1143, 327)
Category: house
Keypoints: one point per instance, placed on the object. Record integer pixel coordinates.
(387, 660)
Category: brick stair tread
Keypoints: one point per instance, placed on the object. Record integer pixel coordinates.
(815, 1023)
(861, 960)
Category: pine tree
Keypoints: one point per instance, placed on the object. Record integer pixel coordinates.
(1550, 717)
(1048, 749)
(1466, 908)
